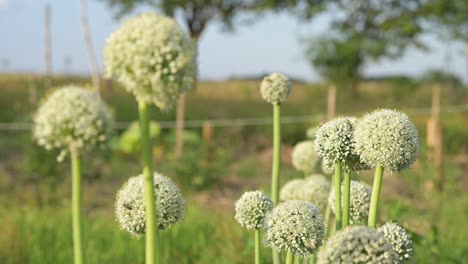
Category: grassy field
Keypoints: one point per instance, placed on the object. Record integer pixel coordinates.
(35, 189)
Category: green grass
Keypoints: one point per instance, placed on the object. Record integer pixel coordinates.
(30, 235)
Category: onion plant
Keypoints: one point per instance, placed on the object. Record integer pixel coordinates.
(304, 158)
(73, 119)
(275, 89)
(154, 59)
(295, 227)
(335, 144)
(399, 239)
(357, 244)
(385, 139)
(130, 204)
(251, 210)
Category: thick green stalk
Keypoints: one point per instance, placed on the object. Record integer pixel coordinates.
(289, 258)
(276, 153)
(312, 259)
(257, 247)
(151, 231)
(327, 217)
(347, 197)
(297, 260)
(78, 254)
(337, 183)
(276, 164)
(374, 204)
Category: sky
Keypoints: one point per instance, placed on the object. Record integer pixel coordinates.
(270, 45)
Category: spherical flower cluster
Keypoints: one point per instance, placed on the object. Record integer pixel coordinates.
(357, 244)
(326, 167)
(72, 117)
(400, 240)
(252, 208)
(359, 201)
(304, 157)
(388, 138)
(310, 133)
(153, 58)
(296, 227)
(290, 189)
(130, 204)
(275, 88)
(334, 142)
(313, 189)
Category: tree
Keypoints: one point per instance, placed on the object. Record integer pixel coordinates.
(365, 31)
(448, 19)
(337, 60)
(196, 14)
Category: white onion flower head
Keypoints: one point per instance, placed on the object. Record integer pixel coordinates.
(130, 204)
(72, 117)
(326, 167)
(400, 240)
(304, 158)
(296, 227)
(388, 138)
(334, 142)
(275, 88)
(357, 244)
(359, 201)
(153, 58)
(252, 208)
(290, 189)
(314, 189)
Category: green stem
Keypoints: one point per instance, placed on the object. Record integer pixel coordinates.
(337, 183)
(289, 258)
(347, 197)
(312, 259)
(276, 164)
(257, 247)
(327, 218)
(78, 253)
(374, 204)
(276, 153)
(151, 231)
(297, 260)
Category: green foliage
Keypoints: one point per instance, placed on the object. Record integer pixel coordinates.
(440, 76)
(337, 60)
(129, 140)
(201, 166)
(367, 31)
(447, 18)
(197, 14)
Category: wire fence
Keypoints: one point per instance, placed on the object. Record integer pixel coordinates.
(228, 122)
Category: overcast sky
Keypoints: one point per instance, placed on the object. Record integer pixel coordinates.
(271, 44)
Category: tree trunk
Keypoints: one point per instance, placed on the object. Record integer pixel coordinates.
(180, 115)
(437, 150)
(89, 46)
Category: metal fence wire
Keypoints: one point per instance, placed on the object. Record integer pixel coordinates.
(227, 122)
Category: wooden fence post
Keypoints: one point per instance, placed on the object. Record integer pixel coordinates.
(331, 102)
(435, 138)
(207, 131)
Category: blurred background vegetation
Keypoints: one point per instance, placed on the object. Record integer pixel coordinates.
(228, 134)
(214, 171)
